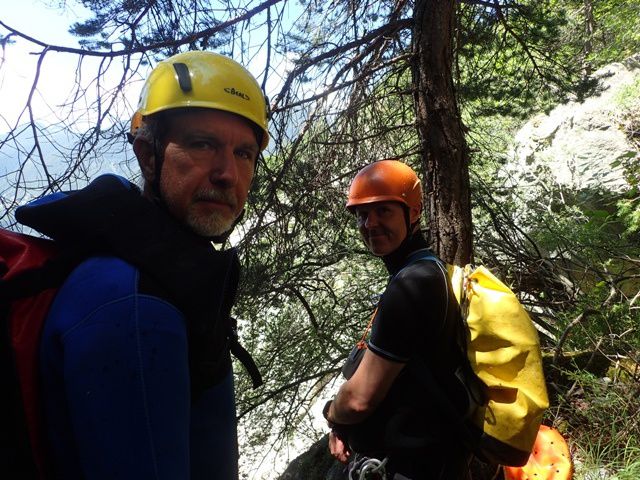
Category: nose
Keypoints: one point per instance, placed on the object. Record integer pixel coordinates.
(371, 220)
(224, 169)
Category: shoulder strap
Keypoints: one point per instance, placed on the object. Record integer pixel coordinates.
(422, 254)
(425, 254)
(464, 373)
(238, 351)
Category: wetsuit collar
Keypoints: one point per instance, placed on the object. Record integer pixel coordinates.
(398, 258)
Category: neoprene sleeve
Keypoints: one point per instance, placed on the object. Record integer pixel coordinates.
(116, 385)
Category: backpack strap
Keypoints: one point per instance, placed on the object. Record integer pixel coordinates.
(424, 254)
(238, 351)
(468, 433)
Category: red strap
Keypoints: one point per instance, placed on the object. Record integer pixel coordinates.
(19, 253)
(362, 344)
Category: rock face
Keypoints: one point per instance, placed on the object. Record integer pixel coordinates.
(315, 464)
(582, 144)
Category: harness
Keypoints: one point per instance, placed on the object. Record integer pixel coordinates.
(366, 468)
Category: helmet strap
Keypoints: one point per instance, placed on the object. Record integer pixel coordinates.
(411, 227)
(158, 159)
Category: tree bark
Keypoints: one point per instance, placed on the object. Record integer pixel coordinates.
(444, 152)
(589, 28)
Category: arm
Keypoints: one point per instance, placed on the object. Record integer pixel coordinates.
(358, 398)
(127, 389)
(362, 393)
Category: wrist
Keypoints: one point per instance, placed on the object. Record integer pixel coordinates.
(337, 429)
(325, 414)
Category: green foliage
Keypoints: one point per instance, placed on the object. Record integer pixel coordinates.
(602, 31)
(610, 408)
(617, 32)
(511, 61)
(629, 214)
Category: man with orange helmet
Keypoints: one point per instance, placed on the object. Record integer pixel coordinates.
(135, 352)
(383, 410)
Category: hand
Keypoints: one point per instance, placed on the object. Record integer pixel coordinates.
(338, 448)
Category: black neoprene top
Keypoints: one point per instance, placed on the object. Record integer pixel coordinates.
(413, 311)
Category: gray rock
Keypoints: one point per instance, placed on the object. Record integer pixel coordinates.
(315, 464)
(579, 144)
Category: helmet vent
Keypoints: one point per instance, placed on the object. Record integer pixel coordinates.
(184, 78)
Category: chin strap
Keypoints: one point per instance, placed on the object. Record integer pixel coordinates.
(158, 158)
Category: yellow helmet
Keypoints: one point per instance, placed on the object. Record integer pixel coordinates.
(206, 80)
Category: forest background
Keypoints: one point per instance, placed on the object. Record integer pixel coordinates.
(442, 85)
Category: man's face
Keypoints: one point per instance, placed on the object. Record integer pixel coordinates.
(382, 226)
(209, 161)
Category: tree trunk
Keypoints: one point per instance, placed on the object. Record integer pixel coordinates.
(445, 157)
(589, 27)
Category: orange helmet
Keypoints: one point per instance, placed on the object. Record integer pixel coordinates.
(136, 123)
(384, 181)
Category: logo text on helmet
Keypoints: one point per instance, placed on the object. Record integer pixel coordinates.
(237, 93)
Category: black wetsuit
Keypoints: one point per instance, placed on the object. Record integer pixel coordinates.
(418, 316)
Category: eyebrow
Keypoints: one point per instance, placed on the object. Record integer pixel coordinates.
(195, 133)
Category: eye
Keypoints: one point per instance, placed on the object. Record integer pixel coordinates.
(201, 145)
(383, 211)
(245, 155)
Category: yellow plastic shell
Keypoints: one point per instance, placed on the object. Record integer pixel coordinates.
(205, 80)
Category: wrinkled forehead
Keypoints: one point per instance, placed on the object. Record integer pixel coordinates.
(180, 117)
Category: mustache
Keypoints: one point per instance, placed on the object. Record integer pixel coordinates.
(222, 196)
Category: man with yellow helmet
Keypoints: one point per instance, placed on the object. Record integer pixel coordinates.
(135, 352)
(382, 418)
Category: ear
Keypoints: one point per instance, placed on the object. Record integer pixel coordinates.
(146, 159)
(414, 214)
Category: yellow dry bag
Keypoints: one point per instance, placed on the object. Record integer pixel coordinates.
(504, 352)
(503, 349)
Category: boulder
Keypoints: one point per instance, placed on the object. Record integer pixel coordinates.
(581, 144)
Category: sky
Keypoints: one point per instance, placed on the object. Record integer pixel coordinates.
(50, 25)
(41, 19)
